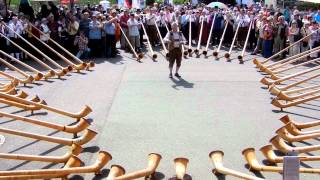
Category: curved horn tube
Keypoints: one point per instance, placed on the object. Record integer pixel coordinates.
(280, 144)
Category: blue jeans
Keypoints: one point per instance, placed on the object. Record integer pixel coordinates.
(83, 54)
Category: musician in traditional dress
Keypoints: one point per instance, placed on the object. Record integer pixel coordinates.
(151, 28)
(315, 37)
(17, 28)
(123, 23)
(244, 21)
(134, 35)
(294, 36)
(280, 35)
(267, 38)
(176, 40)
(162, 24)
(305, 31)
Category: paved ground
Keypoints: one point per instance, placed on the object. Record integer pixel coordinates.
(137, 109)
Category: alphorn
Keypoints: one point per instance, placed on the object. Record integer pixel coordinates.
(190, 36)
(84, 112)
(281, 145)
(80, 126)
(292, 129)
(275, 77)
(74, 150)
(265, 80)
(290, 59)
(258, 63)
(205, 52)
(281, 105)
(116, 171)
(153, 162)
(197, 51)
(6, 87)
(286, 119)
(216, 53)
(64, 70)
(268, 152)
(140, 56)
(161, 40)
(180, 166)
(51, 71)
(300, 89)
(154, 55)
(28, 79)
(227, 55)
(217, 159)
(85, 138)
(90, 64)
(283, 96)
(77, 67)
(253, 163)
(103, 158)
(38, 75)
(185, 53)
(245, 44)
(284, 134)
(276, 90)
(32, 108)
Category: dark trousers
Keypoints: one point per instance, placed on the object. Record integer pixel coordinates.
(152, 33)
(111, 45)
(95, 47)
(216, 35)
(175, 56)
(141, 37)
(70, 45)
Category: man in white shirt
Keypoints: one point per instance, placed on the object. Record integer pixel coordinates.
(244, 21)
(151, 27)
(16, 28)
(134, 35)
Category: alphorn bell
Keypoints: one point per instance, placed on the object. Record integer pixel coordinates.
(64, 70)
(286, 119)
(51, 71)
(253, 163)
(216, 53)
(115, 171)
(161, 40)
(190, 36)
(103, 159)
(181, 167)
(28, 79)
(205, 52)
(140, 56)
(292, 129)
(38, 75)
(217, 159)
(154, 55)
(90, 64)
(281, 145)
(73, 150)
(245, 44)
(227, 55)
(271, 156)
(258, 63)
(12, 84)
(153, 162)
(284, 134)
(284, 96)
(197, 51)
(298, 90)
(281, 105)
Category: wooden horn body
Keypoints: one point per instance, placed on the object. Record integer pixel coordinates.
(268, 152)
(103, 159)
(6, 87)
(284, 96)
(161, 40)
(74, 150)
(78, 127)
(153, 162)
(216, 53)
(27, 80)
(227, 55)
(181, 167)
(190, 36)
(205, 52)
(86, 137)
(240, 58)
(217, 159)
(22, 106)
(115, 171)
(280, 144)
(90, 64)
(286, 119)
(197, 51)
(284, 134)
(154, 55)
(292, 129)
(279, 104)
(140, 56)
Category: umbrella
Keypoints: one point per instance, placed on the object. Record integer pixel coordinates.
(217, 4)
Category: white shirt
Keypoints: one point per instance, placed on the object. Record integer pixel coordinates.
(244, 20)
(133, 26)
(177, 37)
(16, 28)
(150, 19)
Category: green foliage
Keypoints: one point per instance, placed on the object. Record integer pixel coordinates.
(179, 1)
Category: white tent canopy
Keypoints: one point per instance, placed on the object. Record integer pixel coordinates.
(312, 1)
(105, 4)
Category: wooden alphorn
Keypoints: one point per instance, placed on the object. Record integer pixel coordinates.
(205, 52)
(28, 79)
(281, 105)
(283, 96)
(227, 55)
(6, 87)
(38, 75)
(140, 56)
(84, 112)
(90, 64)
(74, 150)
(77, 67)
(271, 156)
(181, 167)
(80, 126)
(153, 162)
(245, 44)
(258, 63)
(64, 70)
(161, 40)
(284, 134)
(286, 119)
(190, 36)
(103, 159)
(268, 82)
(281, 145)
(154, 55)
(253, 163)
(217, 160)
(292, 129)
(115, 171)
(216, 53)
(51, 71)
(197, 51)
(85, 138)
(185, 53)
